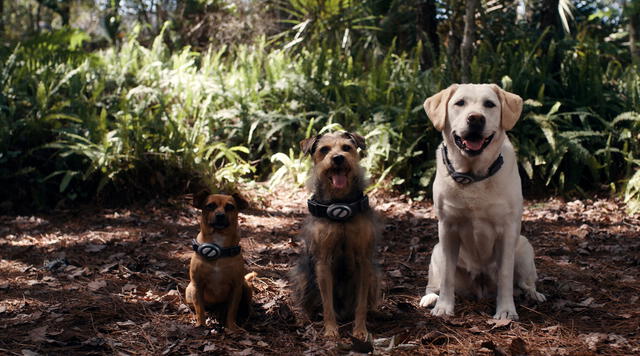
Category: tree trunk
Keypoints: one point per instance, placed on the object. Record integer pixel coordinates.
(549, 15)
(62, 8)
(1, 17)
(466, 48)
(428, 32)
(456, 27)
(632, 27)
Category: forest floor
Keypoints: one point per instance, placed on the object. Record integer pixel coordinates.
(111, 281)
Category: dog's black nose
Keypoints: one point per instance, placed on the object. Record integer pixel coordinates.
(220, 217)
(476, 121)
(338, 159)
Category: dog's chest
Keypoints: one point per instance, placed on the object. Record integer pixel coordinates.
(329, 237)
(478, 243)
(217, 279)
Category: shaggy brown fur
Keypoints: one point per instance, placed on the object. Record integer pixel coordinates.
(219, 286)
(336, 269)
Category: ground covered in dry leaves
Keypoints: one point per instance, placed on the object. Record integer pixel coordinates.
(111, 281)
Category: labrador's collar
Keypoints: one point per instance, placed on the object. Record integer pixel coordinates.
(213, 251)
(338, 211)
(468, 178)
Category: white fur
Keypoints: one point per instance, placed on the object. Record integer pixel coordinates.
(478, 223)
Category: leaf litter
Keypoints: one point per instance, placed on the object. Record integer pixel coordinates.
(111, 281)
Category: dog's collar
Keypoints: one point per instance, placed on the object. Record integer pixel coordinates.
(468, 178)
(338, 211)
(214, 251)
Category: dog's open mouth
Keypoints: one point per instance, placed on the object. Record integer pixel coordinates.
(220, 226)
(474, 143)
(219, 223)
(339, 179)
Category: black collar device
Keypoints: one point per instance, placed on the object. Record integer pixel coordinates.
(214, 251)
(468, 178)
(338, 211)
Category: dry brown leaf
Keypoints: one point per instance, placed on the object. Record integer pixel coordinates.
(593, 339)
(94, 248)
(38, 334)
(498, 323)
(246, 352)
(129, 287)
(518, 347)
(95, 285)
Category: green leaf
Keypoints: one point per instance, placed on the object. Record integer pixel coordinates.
(66, 180)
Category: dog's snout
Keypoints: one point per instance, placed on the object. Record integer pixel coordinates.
(220, 217)
(475, 121)
(338, 159)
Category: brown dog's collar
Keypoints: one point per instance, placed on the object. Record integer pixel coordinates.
(338, 211)
(212, 251)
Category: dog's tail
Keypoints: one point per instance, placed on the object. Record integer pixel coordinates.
(250, 276)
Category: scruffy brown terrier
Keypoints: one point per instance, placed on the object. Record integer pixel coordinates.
(336, 268)
(217, 270)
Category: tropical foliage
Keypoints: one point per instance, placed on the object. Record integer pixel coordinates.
(144, 117)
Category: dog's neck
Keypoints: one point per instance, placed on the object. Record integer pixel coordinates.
(478, 165)
(223, 239)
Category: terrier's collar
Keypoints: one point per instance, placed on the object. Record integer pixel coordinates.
(468, 178)
(338, 211)
(212, 251)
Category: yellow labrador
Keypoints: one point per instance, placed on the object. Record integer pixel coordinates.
(478, 201)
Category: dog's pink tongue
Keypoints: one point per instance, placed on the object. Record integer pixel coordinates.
(339, 180)
(473, 145)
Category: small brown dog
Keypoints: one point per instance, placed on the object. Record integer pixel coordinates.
(217, 270)
(336, 268)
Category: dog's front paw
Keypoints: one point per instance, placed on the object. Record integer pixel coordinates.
(442, 308)
(428, 300)
(360, 333)
(538, 297)
(235, 331)
(331, 331)
(506, 314)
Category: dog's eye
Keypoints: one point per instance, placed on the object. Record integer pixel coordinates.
(229, 207)
(346, 148)
(324, 150)
(489, 104)
(459, 102)
(210, 206)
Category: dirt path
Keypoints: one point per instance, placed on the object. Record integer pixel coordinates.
(104, 281)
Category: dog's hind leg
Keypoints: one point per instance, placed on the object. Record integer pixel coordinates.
(435, 276)
(305, 288)
(525, 270)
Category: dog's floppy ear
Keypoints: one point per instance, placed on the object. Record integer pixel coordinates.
(436, 106)
(200, 198)
(308, 145)
(357, 139)
(241, 202)
(511, 106)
